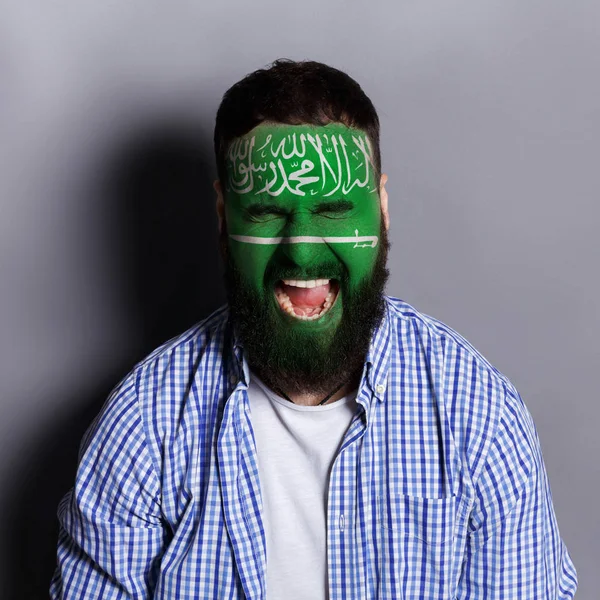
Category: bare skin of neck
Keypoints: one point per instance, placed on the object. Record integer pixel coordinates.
(309, 399)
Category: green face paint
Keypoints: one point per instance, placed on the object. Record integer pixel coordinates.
(302, 203)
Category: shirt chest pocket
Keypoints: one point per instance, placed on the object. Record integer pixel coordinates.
(414, 540)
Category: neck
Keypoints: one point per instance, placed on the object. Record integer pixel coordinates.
(310, 398)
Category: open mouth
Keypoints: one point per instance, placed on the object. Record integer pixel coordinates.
(306, 299)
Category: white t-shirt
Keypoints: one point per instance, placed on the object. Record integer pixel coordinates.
(296, 447)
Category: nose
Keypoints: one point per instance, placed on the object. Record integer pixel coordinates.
(303, 253)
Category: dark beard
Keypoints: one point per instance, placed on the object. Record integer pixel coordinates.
(297, 362)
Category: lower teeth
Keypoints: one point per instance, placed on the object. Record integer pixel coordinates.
(286, 305)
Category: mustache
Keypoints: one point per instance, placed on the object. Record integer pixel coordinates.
(326, 270)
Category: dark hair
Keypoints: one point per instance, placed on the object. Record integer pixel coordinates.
(294, 93)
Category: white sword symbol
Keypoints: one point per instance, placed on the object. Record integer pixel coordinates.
(365, 241)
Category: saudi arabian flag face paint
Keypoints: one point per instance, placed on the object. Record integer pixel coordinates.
(303, 218)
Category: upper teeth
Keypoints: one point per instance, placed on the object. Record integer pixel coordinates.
(309, 283)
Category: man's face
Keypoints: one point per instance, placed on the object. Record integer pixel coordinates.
(303, 220)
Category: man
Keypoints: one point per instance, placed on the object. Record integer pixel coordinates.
(315, 438)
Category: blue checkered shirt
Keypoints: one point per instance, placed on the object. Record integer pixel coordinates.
(438, 490)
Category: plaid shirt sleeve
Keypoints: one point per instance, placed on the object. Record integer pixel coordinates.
(111, 536)
(514, 549)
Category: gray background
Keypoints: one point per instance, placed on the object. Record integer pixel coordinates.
(490, 137)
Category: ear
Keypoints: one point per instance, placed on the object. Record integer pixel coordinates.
(383, 199)
(220, 203)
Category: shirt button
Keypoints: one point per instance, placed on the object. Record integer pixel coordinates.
(380, 389)
(232, 379)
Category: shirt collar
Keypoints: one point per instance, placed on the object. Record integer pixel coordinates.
(239, 369)
(378, 356)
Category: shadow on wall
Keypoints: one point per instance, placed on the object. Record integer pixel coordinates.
(161, 236)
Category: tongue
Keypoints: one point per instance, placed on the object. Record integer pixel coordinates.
(306, 297)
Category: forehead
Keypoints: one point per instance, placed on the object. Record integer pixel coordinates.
(300, 161)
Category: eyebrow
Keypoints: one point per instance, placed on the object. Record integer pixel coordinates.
(260, 209)
(334, 206)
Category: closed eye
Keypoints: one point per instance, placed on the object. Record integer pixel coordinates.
(337, 209)
(264, 212)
